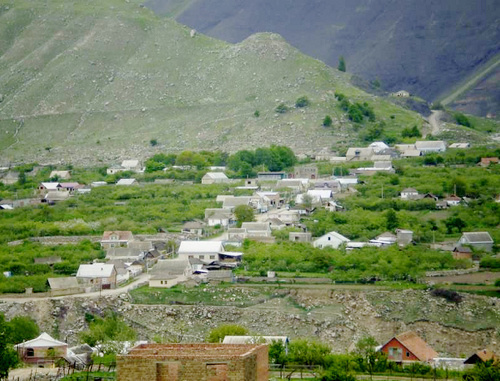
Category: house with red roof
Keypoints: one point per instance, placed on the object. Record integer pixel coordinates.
(408, 347)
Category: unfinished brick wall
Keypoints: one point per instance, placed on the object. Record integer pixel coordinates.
(194, 362)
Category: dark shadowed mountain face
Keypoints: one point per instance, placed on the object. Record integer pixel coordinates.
(423, 46)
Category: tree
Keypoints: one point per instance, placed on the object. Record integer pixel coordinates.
(454, 222)
(462, 120)
(153, 142)
(302, 102)
(244, 213)
(281, 108)
(327, 122)
(342, 65)
(8, 356)
(483, 371)
(307, 352)
(217, 335)
(22, 328)
(22, 178)
(307, 201)
(391, 219)
(369, 358)
(111, 328)
(256, 113)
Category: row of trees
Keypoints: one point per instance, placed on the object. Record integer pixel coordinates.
(275, 158)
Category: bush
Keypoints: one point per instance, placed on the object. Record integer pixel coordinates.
(449, 295)
(490, 263)
(462, 120)
(281, 108)
(217, 335)
(302, 102)
(327, 122)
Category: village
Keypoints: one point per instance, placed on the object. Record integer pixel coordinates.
(269, 209)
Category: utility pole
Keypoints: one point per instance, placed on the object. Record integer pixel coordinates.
(382, 190)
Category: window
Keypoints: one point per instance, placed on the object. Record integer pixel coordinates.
(329, 238)
(407, 354)
(190, 256)
(202, 257)
(212, 257)
(30, 352)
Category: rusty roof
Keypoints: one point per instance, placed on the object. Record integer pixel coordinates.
(417, 346)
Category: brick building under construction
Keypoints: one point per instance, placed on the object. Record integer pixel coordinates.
(194, 362)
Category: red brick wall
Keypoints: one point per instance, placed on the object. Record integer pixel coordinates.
(396, 344)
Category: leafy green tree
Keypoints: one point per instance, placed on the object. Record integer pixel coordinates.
(153, 142)
(342, 65)
(302, 102)
(8, 356)
(256, 113)
(244, 213)
(111, 328)
(391, 219)
(327, 122)
(368, 357)
(454, 223)
(22, 328)
(413, 132)
(277, 353)
(308, 352)
(281, 108)
(217, 335)
(22, 178)
(462, 120)
(483, 371)
(336, 374)
(307, 201)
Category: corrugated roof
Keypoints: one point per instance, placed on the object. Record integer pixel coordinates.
(170, 266)
(123, 235)
(63, 283)
(216, 175)
(51, 186)
(254, 339)
(417, 346)
(478, 237)
(126, 182)
(130, 163)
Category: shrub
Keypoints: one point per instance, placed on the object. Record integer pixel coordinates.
(449, 295)
(302, 102)
(281, 108)
(462, 120)
(327, 122)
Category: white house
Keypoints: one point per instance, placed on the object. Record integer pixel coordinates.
(378, 146)
(215, 216)
(257, 229)
(332, 239)
(206, 251)
(430, 146)
(97, 275)
(131, 165)
(409, 194)
(214, 178)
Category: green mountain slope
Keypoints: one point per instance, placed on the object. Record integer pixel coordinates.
(97, 80)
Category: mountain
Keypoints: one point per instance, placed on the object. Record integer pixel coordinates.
(423, 46)
(96, 81)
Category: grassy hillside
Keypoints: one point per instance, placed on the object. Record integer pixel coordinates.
(97, 80)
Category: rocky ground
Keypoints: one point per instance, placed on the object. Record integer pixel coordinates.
(339, 317)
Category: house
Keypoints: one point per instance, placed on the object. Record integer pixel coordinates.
(294, 184)
(404, 237)
(306, 172)
(460, 145)
(193, 227)
(221, 217)
(250, 184)
(270, 199)
(409, 194)
(194, 362)
(97, 276)
(452, 200)
(431, 196)
(378, 147)
(478, 240)
(42, 350)
(6, 207)
(430, 146)
(270, 176)
(300, 236)
(378, 166)
(332, 239)
(486, 161)
(231, 202)
(385, 239)
(71, 187)
(332, 206)
(333, 185)
(289, 217)
(257, 340)
(44, 188)
(275, 223)
(169, 272)
(55, 196)
(206, 251)
(236, 234)
(461, 252)
(408, 346)
(256, 229)
(127, 182)
(60, 175)
(64, 285)
(116, 238)
(214, 178)
(482, 356)
(359, 154)
(131, 165)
